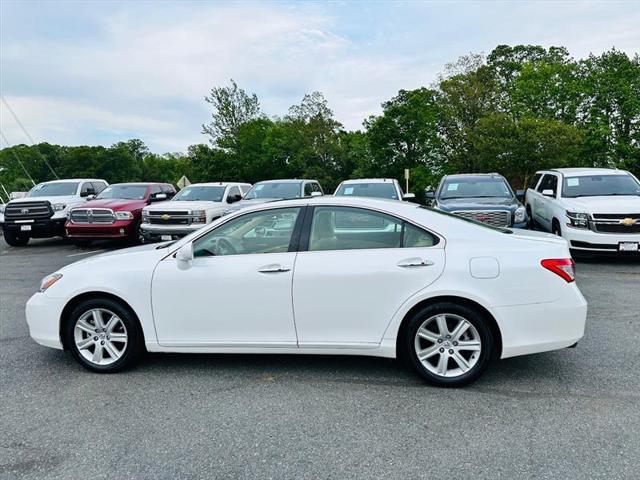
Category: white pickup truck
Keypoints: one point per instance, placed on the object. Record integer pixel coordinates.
(192, 208)
(596, 209)
(42, 213)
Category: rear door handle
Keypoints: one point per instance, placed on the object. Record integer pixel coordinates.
(273, 268)
(414, 263)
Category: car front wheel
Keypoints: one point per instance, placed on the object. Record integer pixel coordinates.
(449, 345)
(16, 239)
(103, 335)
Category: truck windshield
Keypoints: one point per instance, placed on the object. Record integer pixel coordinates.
(274, 190)
(377, 190)
(475, 187)
(54, 189)
(193, 193)
(600, 186)
(127, 192)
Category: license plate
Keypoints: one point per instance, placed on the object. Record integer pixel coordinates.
(165, 238)
(25, 228)
(628, 246)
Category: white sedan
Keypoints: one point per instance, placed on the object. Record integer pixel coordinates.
(341, 276)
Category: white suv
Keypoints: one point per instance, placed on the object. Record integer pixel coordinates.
(192, 208)
(596, 209)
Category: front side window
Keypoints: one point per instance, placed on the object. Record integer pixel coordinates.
(99, 186)
(600, 186)
(211, 194)
(344, 228)
(54, 189)
(128, 192)
(274, 190)
(549, 182)
(266, 231)
(475, 187)
(375, 190)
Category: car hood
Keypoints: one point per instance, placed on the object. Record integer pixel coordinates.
(494, 203)
(184, 205)
(66, 199)
(123, 256)
(247, 203)
(114, 204)
(608, 204)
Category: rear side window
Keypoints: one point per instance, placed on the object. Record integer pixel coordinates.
(534, 180)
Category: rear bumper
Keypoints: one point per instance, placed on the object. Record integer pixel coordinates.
(53, 227)
(43, 318)
(588, 241)
(118, 229)
(154, 232)
(542, 327)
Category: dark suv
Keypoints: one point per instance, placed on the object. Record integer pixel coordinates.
(484, 197)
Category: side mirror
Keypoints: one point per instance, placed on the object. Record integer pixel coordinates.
(316, 194)
(520, 195)
(90, 197)
(431, 195)
(90, 192)
(184, 256)
(234, 198)
(157, 197)
(409, 196)
(548, 193)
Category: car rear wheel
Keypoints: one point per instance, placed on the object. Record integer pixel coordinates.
(449, 345)
(103, 336)
(15, 239)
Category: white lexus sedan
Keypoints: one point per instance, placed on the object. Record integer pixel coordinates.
(341, 276)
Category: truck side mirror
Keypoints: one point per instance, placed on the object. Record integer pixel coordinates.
(520, 195)
(548, 193)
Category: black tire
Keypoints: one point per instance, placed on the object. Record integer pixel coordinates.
(475, 318)
(555, 228)
(15, 239)
(530, 223)
(135, 339)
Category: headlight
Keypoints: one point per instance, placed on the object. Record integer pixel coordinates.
(58, 206)
(2, 207)
(48, 281)
(124, 215)
(198, 216)
(578, 220)
(520, 215)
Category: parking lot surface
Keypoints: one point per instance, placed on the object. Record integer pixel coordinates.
(573, 413)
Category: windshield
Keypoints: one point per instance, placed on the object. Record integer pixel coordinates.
(475, 187)
(55, 189)
(127, 192)
(274, 190)
(468, 220)
(377, 190)
(211, 194)
(599, 186)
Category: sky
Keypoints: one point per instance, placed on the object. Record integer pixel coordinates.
(99, 72)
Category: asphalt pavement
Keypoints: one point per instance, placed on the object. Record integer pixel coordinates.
(571, 414)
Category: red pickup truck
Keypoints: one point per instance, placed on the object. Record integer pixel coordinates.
(115, 213)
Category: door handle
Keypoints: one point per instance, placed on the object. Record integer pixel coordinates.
(414, 263)
(273, 268)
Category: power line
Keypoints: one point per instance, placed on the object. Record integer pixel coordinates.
(17, 158)
(15, 117)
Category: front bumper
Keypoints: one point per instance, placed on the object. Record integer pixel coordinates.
(153, 232)
(590, 241)
(43, 318)
(53, 227)
(118, 229)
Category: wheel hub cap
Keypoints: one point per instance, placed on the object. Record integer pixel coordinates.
(100, 336)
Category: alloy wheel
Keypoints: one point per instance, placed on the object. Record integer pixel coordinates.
(100, 336)
(447, 345)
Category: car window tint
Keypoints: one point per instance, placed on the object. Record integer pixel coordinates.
(343, 228)
(549, 182)
(416, 237)
(233, 191)
(308, 188)
(266, 231)
(99, 186)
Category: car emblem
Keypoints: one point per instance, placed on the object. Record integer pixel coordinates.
(165, 217)
(24, 210)
(482, 218)
(628, 222)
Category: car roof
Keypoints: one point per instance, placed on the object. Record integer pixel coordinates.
(69, 180)
(464, 175)
(587, 171)
(286, 180)
(215, 184)
(369, 180)
(141, 184)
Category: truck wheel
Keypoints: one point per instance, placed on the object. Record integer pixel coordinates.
(15, 239)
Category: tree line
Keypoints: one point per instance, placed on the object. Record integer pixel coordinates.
(514, 111)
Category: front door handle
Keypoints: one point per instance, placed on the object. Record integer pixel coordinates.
(273, 268)
(414, 263)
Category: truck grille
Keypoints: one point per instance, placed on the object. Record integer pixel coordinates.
(615, 222)
(169, 218)
(31, 211)
(497, 218)
(92, 215)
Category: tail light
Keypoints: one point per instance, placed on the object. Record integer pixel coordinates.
(563, 267)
